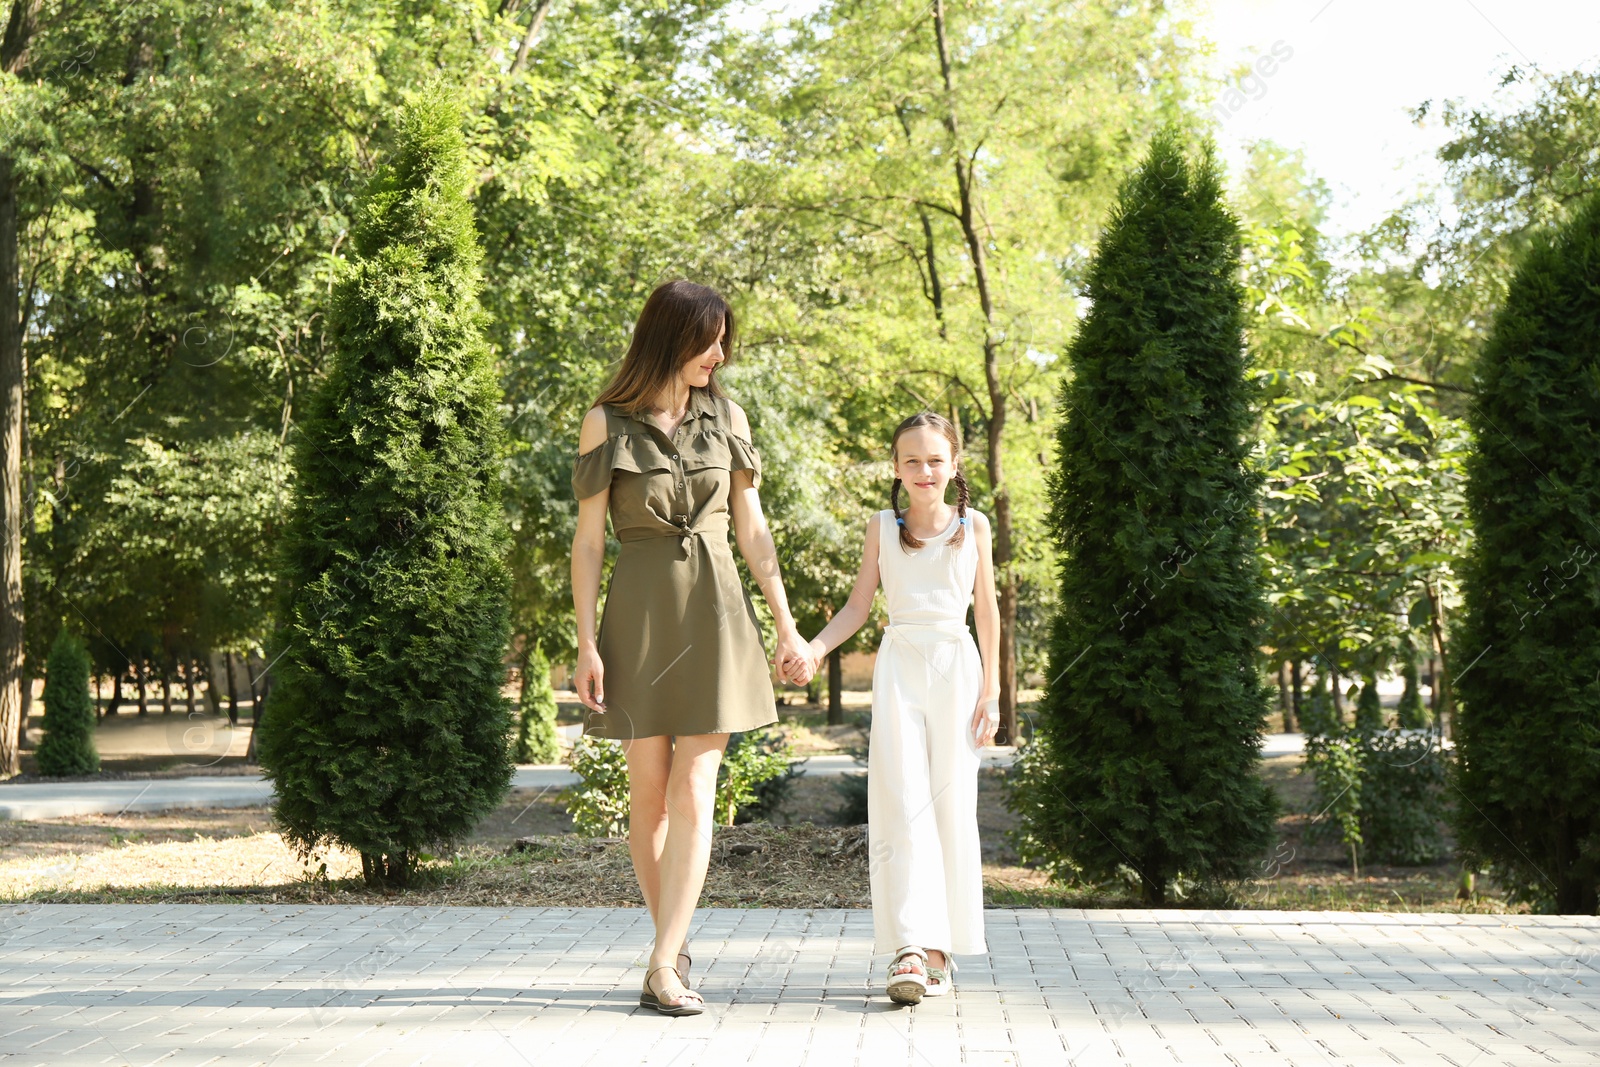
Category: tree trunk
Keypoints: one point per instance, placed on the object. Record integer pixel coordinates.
(144, 690)
(255, 691)
(166, 687)
(255, 710)
(835, 688)
(1286, 697)
(19, 31)
(1338, 698)
(208, 678)
(115, 703)
(1296, 694)
(1442, 712)
(12, 626)
(977, 249)
(233, 700)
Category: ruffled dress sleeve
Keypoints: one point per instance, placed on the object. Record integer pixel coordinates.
(742, 456)
(592, 470)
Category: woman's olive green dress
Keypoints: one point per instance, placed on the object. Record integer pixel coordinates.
(679, 640)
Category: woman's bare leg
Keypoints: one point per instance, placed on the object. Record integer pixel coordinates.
(649, 764)
(690, 802)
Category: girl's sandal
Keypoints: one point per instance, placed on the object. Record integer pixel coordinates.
(939, 981)
(908, 987)
(684, 1006)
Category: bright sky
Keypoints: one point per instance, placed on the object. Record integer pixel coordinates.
(1356, 66)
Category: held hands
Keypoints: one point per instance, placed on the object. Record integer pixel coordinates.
(797, 662)
(985, 720)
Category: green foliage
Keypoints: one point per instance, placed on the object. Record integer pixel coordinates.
(537, 740)
(69, 713)
(1317, 715)
(598, 803)
(1382, 793)
(1366, 519)
(1403, 798)
(1411, 713)
(752, 760)
(386, 730)
(1528, 634)
(852, 791)
(1369, 706)
(1147, 741)
(1335, 761)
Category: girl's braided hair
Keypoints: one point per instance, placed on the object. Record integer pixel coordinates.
(941, 425)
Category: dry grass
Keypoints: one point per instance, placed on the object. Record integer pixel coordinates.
(526, 854)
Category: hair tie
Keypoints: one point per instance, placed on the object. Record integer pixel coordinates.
(899, 520)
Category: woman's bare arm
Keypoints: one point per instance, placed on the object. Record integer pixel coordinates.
(588, 556)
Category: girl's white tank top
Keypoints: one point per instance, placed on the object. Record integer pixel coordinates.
(933, 584)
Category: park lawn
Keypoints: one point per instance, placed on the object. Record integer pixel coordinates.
(525, 854)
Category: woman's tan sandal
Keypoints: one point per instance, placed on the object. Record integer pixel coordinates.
(648, 998)
(939, 978)
(683, 968)
(909, 986)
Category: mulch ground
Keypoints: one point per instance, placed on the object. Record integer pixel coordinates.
(525, 853)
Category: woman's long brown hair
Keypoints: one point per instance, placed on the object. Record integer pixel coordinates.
(942, 425)
(680, 320)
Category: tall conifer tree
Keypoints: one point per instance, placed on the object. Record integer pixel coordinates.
(387, 731)
(1526, 652)
(69, 712)
(1147, 744)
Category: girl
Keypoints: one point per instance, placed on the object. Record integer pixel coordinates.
(935, 703)
(678, 661)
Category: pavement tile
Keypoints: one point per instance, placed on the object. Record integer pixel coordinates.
(177, 984)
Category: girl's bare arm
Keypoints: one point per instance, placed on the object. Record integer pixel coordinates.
(986, 610)
(850, 618)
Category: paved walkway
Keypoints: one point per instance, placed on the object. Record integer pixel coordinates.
(174, 984)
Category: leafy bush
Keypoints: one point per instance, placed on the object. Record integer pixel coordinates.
(1336, 764)
(69, 715)
(1369, 706)
(852, 790)
(599, 803)
(1412, 713)
(537, 740)
(1403, 798)
(760, 766)
(1382, 794)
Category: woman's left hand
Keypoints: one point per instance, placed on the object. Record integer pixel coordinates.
(791, 648)
(985, 720)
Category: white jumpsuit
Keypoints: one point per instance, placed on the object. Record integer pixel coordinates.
(922, 765)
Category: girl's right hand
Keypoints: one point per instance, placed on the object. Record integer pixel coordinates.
(590, 673)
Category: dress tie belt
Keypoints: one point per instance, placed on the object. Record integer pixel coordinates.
(682, 528)
(955, 628)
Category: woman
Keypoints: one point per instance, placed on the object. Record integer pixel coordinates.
(679, 662)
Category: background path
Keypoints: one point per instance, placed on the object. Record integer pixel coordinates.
(55, 800)
(131, 984)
